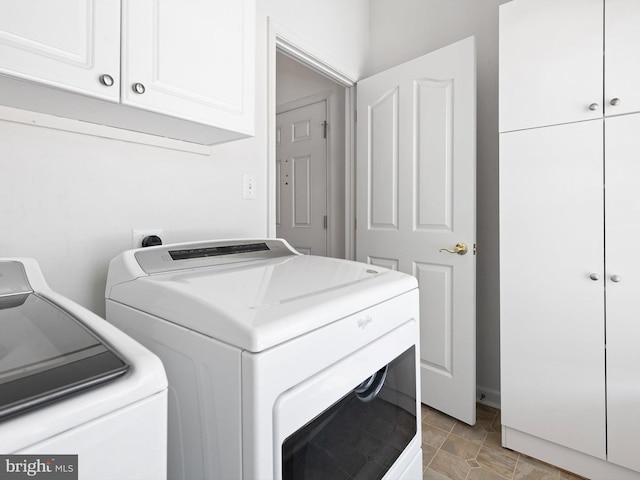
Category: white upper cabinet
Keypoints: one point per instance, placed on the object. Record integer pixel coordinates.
(550, 62)
(67, 44)
(178, 69)
(191, 59)
(557, 57)
(622, 72)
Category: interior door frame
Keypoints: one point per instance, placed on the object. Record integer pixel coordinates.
(283, 41)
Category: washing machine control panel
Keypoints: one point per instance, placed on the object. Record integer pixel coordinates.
(13, 279)
(167, 258)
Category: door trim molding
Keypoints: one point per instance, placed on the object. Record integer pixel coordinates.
(281, 40)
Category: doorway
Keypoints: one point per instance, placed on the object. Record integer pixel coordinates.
(301, 176)
(298, 86)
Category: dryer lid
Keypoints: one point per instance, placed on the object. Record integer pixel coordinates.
(251, 300)
(45, 353)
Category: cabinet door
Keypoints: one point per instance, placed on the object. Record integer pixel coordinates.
(550, 62)
(67, 44)
(623, 299)
(622, 62)
(552, 312)
(194, 59)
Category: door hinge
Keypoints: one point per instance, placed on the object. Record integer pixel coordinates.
(325, 222)
(325, 126)
(475, 248)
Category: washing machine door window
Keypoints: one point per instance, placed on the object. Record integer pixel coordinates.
(46, 354)
(362, 434)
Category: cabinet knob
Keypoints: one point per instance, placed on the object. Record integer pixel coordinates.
(616, 278)
(106, 80)
(615, 101)
(138, 88)
(593, 107)
(595, 277)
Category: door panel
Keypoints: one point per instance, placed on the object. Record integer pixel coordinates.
(623, 302)
(416, 190)
(551, 242)
(383, 163)
(436, 291)
(622, 64)
(301, 181)
(174, 50)
(434, 163)
(551, 62)
(301, 191)
(63, 44)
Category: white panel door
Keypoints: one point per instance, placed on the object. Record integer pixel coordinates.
(192, 59)
(622, 172)
(416, 188)
(551, 62)
(551, 284)
(622, 62)
(67, 44)
(301, 178)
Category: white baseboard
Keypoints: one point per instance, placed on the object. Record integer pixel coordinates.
(488, 396)
(563, 457)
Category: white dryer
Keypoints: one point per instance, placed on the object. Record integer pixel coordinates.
(71, 384)
(280, 365)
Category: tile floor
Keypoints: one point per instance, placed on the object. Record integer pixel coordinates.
(453, 450)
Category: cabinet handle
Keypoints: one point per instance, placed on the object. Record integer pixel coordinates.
(595, 277)
(593, 107)
(138, 88)
(615, 101)
(616, 278)
(106, 80)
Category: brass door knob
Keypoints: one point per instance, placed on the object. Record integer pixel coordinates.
(460, 249)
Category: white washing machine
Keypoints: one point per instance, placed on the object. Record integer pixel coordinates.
(73, 385)
(280, 365)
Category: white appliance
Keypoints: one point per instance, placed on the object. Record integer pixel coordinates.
(264, 347)
(72, 384)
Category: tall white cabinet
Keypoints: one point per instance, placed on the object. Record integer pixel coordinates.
(569, 210)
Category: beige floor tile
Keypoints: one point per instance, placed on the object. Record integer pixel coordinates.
(494, 442)
(440, 420)
(570, 476)
(431, 475)
(453, 450)
(485, 412)
(433, 436)
(496, 462)
(424, 409)
(476, 433)
(450, 466)
(482, 474)
(531, 469)
(539, 464)
(428, 453)
(460, 447)
(497, 422)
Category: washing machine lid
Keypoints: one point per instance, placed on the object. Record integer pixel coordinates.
(259, 301)
(45, 353)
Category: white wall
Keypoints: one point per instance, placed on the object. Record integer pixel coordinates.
(335, 31)
(405, 29)
(70, 200)
(296, 82)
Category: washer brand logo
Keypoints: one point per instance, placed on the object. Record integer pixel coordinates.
(363, 322)
(58, 467)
